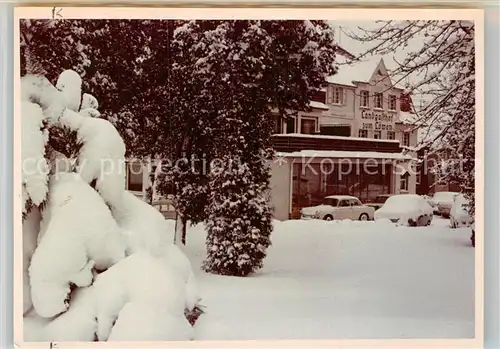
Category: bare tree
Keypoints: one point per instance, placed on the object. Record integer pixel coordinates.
(439, 67)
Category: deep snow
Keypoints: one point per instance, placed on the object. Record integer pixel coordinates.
(341, 280)
(336, 280)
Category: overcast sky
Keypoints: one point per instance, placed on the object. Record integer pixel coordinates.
(355, 47)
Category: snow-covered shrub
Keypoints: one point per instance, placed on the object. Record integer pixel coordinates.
(89, 101)
(78, 323)
(138, 278)
(76, 235)
(101, 156)
(239, 224)
(144, 228)
(178, 260)
(77, 227)
(70, 84)
(90, 112)
(149, 323)
(35, 169)
(39, 90)
(31, 227)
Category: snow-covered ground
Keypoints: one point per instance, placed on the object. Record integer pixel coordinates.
(336, 280)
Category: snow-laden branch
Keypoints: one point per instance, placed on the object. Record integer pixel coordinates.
(35, 168)
(39, 90)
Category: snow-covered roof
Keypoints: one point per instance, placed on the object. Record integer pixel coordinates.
(345, 154)
(318, 105)
(407, 118)
(350, 72)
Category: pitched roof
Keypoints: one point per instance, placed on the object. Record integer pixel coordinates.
(351, 72)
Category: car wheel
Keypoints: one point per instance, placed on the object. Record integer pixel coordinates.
(363, 217)
(328, 217)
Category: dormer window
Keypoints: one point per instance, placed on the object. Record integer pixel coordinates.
(336, 95)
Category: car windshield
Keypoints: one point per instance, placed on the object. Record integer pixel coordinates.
(381, 199)
(330, 201)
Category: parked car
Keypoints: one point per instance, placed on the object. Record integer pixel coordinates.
(406, 209)
(379, 201)
(459, 213)
(442, 202)
(339, 207)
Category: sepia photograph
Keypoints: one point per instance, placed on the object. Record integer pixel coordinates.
(202, 179)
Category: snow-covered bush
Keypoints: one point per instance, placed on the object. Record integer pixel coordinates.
(80, 220)
(144, 228)
(239, 224)
(31, 227)
(138, 278)
(102, 153)
(79, 323)
(34, 165)
(89, 101)
(70, 84)
(150, 323)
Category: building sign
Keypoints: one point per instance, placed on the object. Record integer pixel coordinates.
(377, 121)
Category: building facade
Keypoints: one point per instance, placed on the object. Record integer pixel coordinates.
(356, 140)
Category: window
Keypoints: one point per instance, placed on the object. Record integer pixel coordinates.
(392, 102)
(391, 135)
(331, 201)
(355, 202)
(364, 99)
(307, 126)
(379, 100)
(336, 95)
(377, 134)
(290, 125)
(406, 139)
(363, 133)
(278, 123)
(336, 130)
(319, 96)
(134, 176)
(404, 181)
(345, 203)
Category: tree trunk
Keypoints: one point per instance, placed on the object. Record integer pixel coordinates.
(180, 230)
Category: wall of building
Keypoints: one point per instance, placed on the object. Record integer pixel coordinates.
(280, 189)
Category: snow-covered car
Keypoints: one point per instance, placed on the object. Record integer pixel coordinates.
(459, 214)
(339, 207)
(406, 209)
(379, 201)
(442, 202)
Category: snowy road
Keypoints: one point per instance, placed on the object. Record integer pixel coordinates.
(331, 280)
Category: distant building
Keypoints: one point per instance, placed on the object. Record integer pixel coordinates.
(351, 142)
